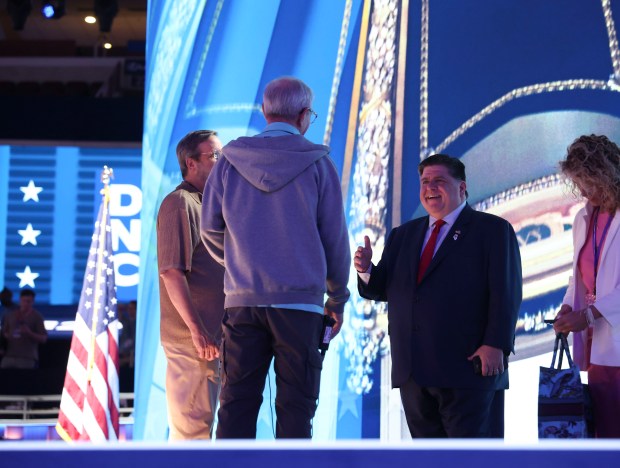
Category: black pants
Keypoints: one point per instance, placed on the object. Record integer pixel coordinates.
(453, 412)
(252, 336)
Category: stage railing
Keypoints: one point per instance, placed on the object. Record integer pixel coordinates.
(44, 408)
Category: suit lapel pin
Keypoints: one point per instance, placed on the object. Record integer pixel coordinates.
(456, 235)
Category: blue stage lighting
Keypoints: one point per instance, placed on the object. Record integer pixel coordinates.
(53, 9)
(48, 11)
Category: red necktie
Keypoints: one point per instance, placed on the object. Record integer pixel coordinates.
(429, 249)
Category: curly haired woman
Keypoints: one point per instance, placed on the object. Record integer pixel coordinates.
(591, 306)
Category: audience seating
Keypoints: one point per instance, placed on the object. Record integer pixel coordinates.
(7, 88)
(27, 88)
(52, 88)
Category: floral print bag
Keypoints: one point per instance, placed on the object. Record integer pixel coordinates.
(564, 405)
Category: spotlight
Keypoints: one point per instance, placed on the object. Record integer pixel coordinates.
(18, 11)
(105, 11)
(48, 11)
(53, 9)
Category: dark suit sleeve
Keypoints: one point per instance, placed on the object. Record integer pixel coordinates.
(376, 288)
(505, 285)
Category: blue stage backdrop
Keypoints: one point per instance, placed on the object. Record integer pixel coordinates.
(49, 197)
(506, 86)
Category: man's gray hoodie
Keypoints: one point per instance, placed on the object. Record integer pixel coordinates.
(272, 214)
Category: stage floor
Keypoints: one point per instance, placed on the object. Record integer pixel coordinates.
(308, 454)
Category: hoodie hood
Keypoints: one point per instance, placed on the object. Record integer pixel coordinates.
(271, 163)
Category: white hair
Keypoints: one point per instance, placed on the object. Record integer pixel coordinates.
(286, 97)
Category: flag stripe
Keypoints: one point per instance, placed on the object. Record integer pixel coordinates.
(98, 421)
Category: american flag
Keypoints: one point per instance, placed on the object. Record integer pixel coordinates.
(90, 399)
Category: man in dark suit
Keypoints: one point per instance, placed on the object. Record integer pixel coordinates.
(453, 285)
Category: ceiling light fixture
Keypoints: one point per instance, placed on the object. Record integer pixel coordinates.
(18, 11)
(105, 11)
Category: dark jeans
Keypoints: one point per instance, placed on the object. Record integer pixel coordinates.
(252, 336)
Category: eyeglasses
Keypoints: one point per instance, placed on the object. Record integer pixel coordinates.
(215, 155)
(313, 115)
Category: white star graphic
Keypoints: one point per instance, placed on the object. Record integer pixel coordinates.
(31, 191)
(27, 277)
(348, 404)
(29, 235)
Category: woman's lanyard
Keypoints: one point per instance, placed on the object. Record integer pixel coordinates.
(597, 246)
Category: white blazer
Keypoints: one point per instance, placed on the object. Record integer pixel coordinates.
(606, 333)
